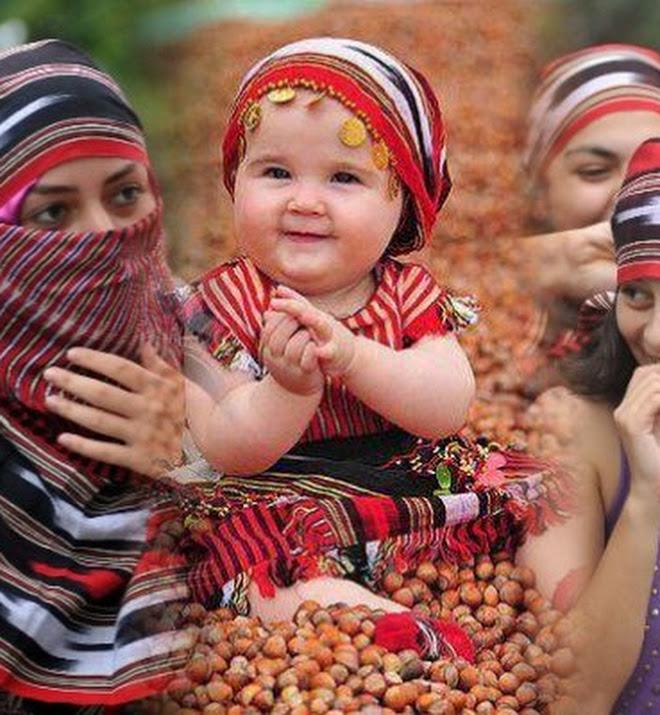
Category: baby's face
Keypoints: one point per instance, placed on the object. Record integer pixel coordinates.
(581, 182)
(314, 206)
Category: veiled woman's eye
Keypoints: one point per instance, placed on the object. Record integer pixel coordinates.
(50, 216)
(594, 172)
(127, 195)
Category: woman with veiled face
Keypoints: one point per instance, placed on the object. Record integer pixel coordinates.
(91, 402)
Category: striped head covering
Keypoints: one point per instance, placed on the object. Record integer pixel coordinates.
(60, 289)
(395, 102)
(56, 105)
(581, 87)
(78, 583)
(636, 217)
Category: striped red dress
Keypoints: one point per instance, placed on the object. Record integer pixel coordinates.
(226, 307)
(356, 495)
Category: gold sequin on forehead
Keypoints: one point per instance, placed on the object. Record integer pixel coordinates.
(252, 116)
(353, 133)
(380, 155)
(281, 95)
(241, 148)
(315, 99)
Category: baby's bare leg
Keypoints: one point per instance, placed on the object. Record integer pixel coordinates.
(324, 590)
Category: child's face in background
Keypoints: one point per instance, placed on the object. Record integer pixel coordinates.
(312, 212)
(580, 183)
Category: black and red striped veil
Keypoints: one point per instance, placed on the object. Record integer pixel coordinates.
(76, 587)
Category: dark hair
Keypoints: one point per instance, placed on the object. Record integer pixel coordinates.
(406, 236)
(604, 366)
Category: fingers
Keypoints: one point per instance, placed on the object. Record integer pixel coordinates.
(280, 330)
(305, 314)
(640, 407)
(119, 455)
(300, 350)
(153, 362)
(97, 393)
(271, 322)
(309, 361)
(283, 291)
(104, 423)
(123, 371)
(601, 236)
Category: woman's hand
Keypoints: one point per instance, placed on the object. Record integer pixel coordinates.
(144, 412)
(576, 263)
(637, 420)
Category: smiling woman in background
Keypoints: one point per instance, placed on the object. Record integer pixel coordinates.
(591, 110)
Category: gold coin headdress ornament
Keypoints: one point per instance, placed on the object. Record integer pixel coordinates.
(392, 104)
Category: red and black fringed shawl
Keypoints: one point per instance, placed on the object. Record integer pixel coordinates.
(82, 583)
(358, 507)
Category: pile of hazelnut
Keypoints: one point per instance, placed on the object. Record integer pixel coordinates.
(325, 660)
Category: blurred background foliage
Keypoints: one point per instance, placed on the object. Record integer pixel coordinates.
(570, 24)
(120, 34)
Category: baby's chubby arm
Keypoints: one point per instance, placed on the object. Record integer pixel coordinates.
(426, 389)
(247, 426)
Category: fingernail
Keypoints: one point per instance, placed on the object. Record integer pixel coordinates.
(73, 353)
(49, 373)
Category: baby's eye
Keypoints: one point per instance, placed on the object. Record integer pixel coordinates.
(345, 177)
(276, 172)
(49, 217)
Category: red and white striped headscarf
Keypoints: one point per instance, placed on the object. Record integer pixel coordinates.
(581, 87)
(636, 217)
(395, 102)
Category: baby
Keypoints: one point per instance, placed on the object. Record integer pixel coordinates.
(334, 156)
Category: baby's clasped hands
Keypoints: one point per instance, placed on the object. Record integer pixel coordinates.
(289, 354)
(334, 345)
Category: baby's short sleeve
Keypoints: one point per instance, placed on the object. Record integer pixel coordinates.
(219, 340)
(427, 309)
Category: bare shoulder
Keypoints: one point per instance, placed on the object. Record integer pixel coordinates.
(584, 432)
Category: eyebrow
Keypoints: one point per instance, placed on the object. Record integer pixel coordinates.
(593, 149)
(269, 158)
(46, 189)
